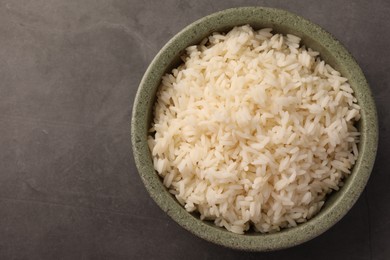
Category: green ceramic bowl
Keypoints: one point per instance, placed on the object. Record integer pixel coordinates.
(331, 50)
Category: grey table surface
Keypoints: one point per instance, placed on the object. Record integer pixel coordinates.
(69, 71)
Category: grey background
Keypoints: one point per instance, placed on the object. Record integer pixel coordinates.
(69, 71)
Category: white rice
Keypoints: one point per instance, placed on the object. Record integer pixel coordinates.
(254, 130)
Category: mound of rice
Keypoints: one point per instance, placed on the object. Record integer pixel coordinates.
(254, 130)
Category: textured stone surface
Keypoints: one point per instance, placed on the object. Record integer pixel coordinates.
(69, 71)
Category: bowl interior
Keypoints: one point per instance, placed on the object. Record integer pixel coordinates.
(336, 205)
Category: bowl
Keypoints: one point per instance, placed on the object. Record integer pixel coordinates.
(331, 50)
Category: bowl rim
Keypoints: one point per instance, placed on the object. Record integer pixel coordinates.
(327, 217)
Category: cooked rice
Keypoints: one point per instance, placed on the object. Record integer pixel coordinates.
(254, 130)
